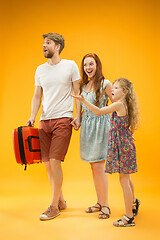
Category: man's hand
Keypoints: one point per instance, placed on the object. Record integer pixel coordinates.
(30, 122)
(76, 123)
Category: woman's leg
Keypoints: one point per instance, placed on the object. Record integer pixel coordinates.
(101, 185)
(101, 182)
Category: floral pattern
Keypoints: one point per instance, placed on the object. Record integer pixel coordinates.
(121, 153)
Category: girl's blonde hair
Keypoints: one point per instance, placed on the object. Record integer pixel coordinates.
(131, 101)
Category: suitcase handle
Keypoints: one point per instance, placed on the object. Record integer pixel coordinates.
(30, 144)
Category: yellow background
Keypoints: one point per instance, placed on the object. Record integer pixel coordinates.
(125, 35)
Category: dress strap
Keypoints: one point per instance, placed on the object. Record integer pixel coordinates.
(125, 108)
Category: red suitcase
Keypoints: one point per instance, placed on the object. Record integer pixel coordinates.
(26, 145)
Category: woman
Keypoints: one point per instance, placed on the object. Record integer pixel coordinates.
(94, 129)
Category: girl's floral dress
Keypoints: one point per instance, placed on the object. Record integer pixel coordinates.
(121, 153)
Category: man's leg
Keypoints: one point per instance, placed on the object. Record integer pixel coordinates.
(55, 138)
(55, 176)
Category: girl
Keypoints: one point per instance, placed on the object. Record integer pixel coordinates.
(121, 154)
(94, 129)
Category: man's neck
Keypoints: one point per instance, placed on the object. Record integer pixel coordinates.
(54, 60)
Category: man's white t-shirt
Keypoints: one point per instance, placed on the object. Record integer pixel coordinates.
(56, 82)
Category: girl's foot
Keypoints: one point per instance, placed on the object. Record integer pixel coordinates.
(95, 208)
(125, 222)
(105, 212)
(135, 207)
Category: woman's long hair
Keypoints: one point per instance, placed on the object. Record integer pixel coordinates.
(131, 101)
(98, 78)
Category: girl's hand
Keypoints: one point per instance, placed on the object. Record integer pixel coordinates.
(79, 97)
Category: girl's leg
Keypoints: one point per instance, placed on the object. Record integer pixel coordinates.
(128, 219)
(127, 193)
(128, 199)
(132, 188)
(136, 202)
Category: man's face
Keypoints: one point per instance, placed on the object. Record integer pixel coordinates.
(49, 48)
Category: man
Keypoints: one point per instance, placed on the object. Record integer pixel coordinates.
(55, 80)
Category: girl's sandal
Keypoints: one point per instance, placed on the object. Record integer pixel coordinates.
(95, 208)
(104, 215)
(129, 222)
(135, 207)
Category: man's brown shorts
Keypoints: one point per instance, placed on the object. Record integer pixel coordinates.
(55, 135)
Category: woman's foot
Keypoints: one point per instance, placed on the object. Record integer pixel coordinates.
(95, 208)
(125, 222)
(135, 207)
(105, 212)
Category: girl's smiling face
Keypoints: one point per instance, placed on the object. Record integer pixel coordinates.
(90, 67)
(117, 92)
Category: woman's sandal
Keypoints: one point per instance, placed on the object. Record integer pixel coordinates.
(135, 207)
(94, 208)
(104, 215)
(129, 222)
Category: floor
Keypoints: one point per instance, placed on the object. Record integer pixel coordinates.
(23, 199)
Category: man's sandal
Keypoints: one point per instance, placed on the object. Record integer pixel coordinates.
(129, 222)
(135, 207)
(104, 215)
(95, 208)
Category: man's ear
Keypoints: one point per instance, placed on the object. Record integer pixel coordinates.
(58, 47)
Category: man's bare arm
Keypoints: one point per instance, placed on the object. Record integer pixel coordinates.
(35, 105)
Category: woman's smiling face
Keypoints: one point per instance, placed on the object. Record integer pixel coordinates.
(90, 67)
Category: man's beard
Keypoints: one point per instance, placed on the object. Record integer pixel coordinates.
(49, 55)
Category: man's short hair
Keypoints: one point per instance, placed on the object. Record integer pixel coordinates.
(57, 38)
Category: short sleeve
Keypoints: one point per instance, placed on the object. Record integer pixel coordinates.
(106, 82)
(37, 78)
(75, 72)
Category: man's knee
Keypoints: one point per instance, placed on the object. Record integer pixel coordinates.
(55, 164)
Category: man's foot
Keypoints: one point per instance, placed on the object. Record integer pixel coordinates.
(62, 205)
(95, 208)
(50, 213)
(105, 212)
(125, 222)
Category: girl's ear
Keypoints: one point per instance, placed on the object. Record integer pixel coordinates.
(125, 91)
